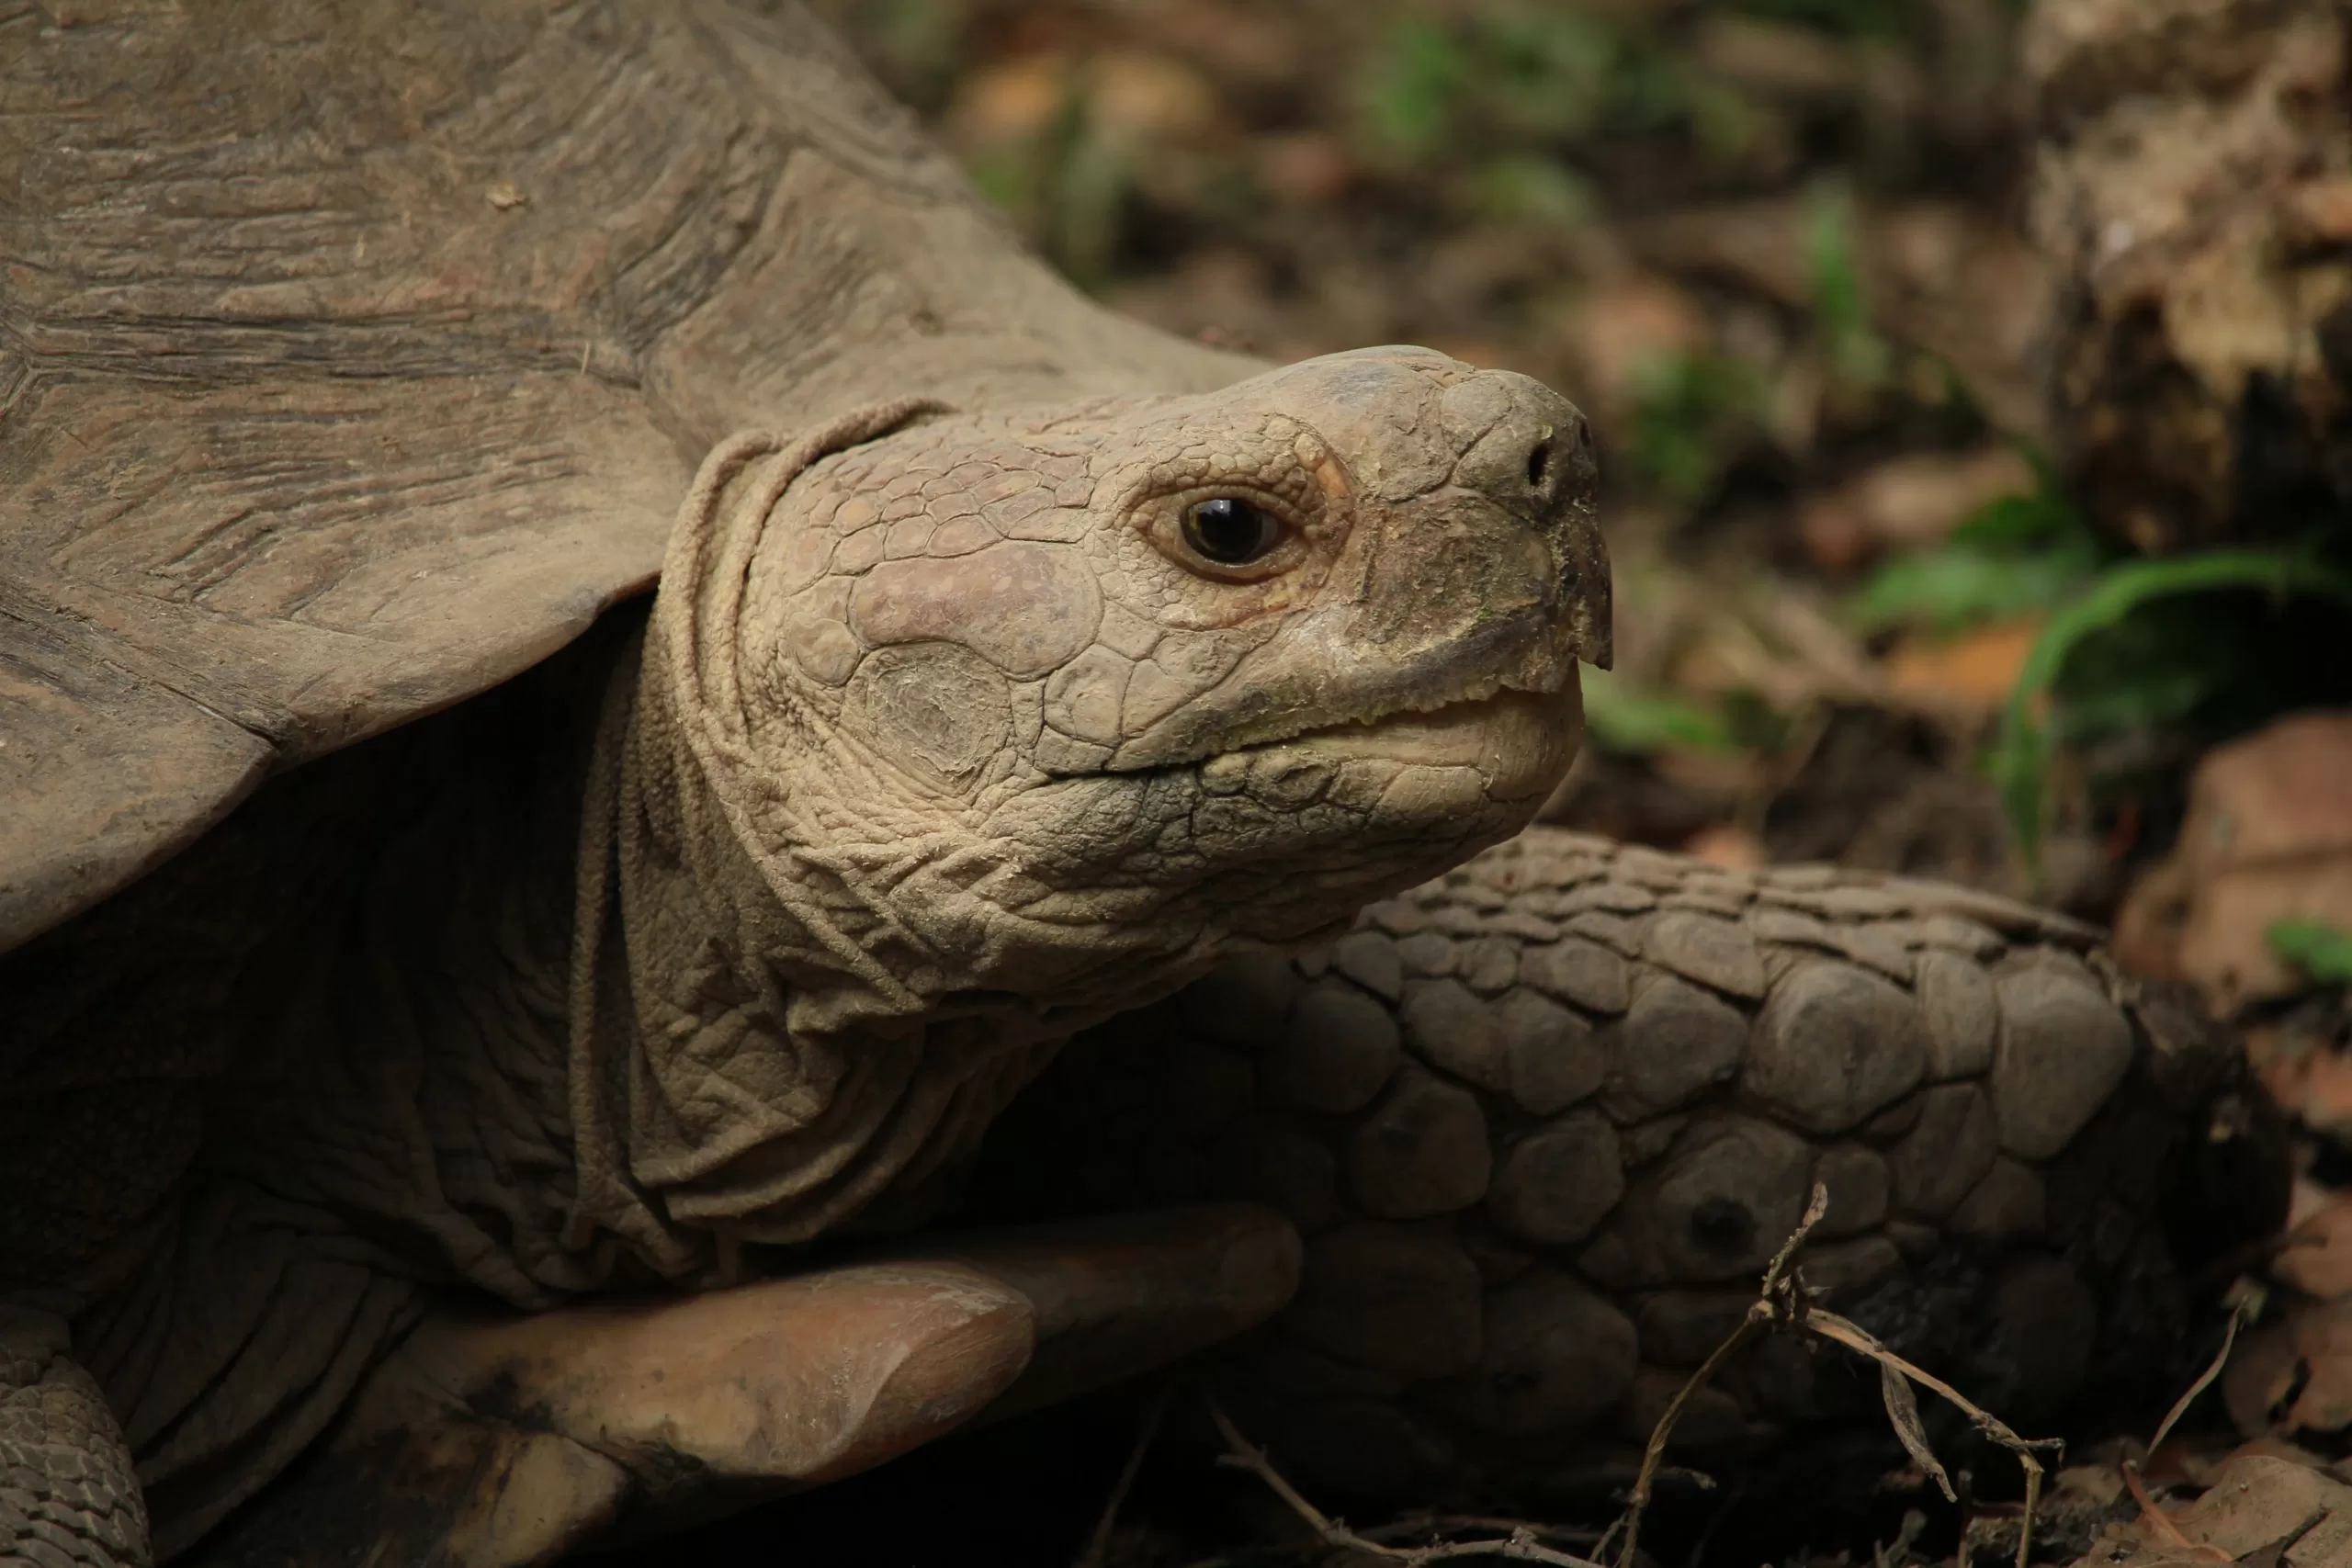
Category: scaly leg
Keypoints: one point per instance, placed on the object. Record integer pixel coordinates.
(68, 1495)
(501, 1442)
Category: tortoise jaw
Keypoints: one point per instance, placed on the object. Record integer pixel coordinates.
(1518, 742)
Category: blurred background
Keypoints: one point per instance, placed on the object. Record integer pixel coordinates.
(1785, 253)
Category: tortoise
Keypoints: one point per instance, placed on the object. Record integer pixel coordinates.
(474, 1032)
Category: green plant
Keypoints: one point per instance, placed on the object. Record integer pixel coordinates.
(1529, 188)
(1064, 186)
(1410, 86)
(1503, 77)
(2158, 667)
(2317, 948)
(1621, 716)
(1689, 412)
(1858, 356)
(2019, 555)
(2203, 643)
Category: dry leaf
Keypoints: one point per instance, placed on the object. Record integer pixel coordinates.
(1974, 671)
(1903, 1412)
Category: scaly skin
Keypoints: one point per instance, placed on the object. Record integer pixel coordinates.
(1544, 1119)
(943, 744)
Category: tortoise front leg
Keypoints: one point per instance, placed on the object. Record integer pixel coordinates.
(497, 1442)
(68, 1494)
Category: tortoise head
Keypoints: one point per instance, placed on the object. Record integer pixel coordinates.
(1069, 702)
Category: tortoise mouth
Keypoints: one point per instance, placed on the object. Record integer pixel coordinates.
(1519, 742)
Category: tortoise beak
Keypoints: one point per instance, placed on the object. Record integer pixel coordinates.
(1533, 457)
(1587, 597)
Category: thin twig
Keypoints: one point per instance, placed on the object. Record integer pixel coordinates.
(1638, 1501)
(1440, 1524)
(1855, 1338)
(2160, 1523)
(1520, 1545)
(2246, 1299)
(1097, 1545)
(1784, 1302)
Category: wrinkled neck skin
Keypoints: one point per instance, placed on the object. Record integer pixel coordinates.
(750, 1067)
(934, 757)
(777, 1039)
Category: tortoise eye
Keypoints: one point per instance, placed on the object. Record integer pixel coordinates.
(1230, 531)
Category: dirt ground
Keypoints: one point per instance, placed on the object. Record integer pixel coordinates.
(1779, 252)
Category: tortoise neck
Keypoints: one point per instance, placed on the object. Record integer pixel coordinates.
(707, 1108)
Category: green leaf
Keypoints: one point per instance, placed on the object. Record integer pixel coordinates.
(2015, 556)
(2021, 756)
(1957, 587)
(1689, 410)
(1841, 306)
(1621, 717)
(1411, 87)
(1545, 71)
(2318, 949)
(1525, 188)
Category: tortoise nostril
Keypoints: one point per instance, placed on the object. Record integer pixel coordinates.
(1539, 463)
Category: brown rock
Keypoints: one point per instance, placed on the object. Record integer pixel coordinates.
(1450, 1027)
(2268, 838)
(1388, 1296)
(1422, 1151)
(2063, 1048)
(1948, 1153)
(1717, 952)
(1551, 1057)
(2317, 1259)
(1727, 1198)
(1674, 1042)
(1833, 1045)
(1556, 1184)
(1340, 1050)
(1555, 1358)
(1963, 1015)
(1580, 972)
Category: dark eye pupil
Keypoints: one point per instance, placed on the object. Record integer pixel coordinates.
(1230, 531)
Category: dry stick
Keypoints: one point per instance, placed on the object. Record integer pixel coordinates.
(1519, 1544)
(1855, 1338)
(1097, 1545)
(1758, 1316)
(1438, 1524)
(2161, 1522)
(2246, 1299)
(1783, 1299)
